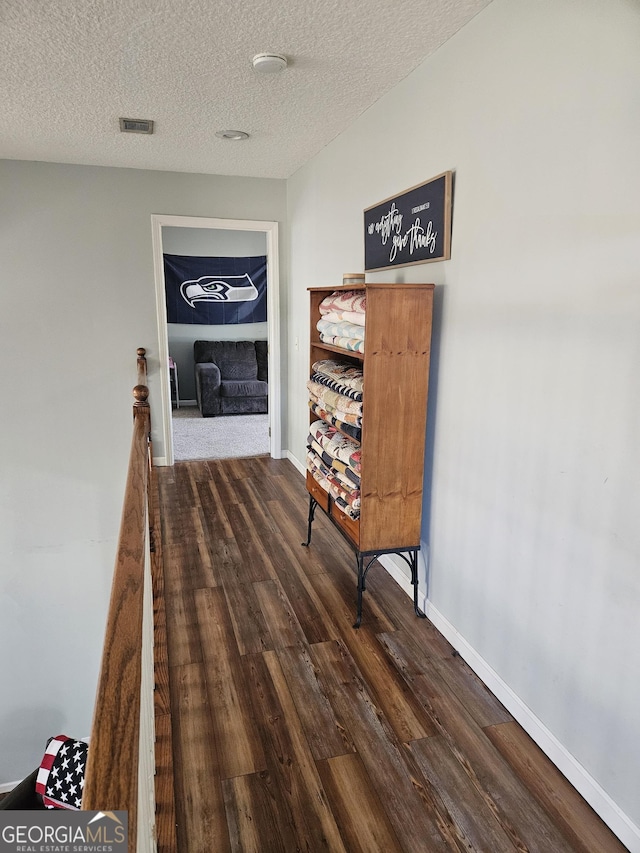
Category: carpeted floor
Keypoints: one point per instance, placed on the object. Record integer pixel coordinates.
(222, 437)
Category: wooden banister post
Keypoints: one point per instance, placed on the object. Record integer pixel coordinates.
(142, 366)
(141, 391)
(141, 396)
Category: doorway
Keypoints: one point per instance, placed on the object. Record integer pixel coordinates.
(165, 229)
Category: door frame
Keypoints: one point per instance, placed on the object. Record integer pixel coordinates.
(270, 230)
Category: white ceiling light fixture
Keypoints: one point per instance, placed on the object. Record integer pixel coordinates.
(233, 135)
(269, 63)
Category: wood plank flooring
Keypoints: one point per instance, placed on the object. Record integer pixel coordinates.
(294, 732)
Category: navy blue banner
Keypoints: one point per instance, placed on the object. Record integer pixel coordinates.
(215, 291)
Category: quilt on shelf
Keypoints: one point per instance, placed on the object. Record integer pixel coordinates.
(345, 301)
(337, 445)
(342, 472)
(349, 493)
(346, 501)
(335, 397)
(347, 336)
(348, 344)
(345, 379)
(344, 417)
(331, 418)
(337, 402)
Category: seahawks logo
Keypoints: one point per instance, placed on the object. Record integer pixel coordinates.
(221, 288)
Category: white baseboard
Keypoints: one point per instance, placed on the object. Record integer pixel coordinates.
(186, 403)
(295, 462)
(160, 461)
(582, 781)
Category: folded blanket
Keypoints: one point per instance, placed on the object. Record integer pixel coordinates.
(342, 472)
(318, 477)
(346, 501)
(337, 445)
(338, 387)
(345, 417)
(340, 376)
(330, 418)
(357, 317)
(347, 490)
(339, 502)
(348, 344)
(337, 401)
(344, 300)
(342, 329)
(352, 513)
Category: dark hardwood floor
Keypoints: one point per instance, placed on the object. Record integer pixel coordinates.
(293, 731)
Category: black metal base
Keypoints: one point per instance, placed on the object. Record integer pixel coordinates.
(313, 503)
(409, 555)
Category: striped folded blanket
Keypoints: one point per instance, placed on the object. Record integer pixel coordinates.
(344, 378)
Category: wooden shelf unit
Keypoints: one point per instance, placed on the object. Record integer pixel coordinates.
(395, 365)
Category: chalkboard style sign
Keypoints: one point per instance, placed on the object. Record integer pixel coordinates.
(411, 228)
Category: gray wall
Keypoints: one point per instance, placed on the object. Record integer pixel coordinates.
(76, 298)
(532, 504)
(209, 242)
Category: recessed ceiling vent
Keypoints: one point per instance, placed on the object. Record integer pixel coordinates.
(136, 125)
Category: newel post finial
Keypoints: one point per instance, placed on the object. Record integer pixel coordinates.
(142, 365)
(140, 391)
(140, 395)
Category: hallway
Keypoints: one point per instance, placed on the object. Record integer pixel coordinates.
(293, 731)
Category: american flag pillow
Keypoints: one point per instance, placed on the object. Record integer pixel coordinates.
(61, 774)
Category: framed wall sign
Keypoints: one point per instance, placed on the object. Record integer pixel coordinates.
(411, 228)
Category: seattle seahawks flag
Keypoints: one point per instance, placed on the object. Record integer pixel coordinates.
(215, 291)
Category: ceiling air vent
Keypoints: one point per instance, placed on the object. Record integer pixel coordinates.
(136, 125)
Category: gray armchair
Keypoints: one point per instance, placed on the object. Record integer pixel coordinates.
(231, 377)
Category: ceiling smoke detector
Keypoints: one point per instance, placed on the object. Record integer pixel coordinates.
(136, 125)
(269, 63)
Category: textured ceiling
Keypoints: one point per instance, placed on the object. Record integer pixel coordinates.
(69, 69)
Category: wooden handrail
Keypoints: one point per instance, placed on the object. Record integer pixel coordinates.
(111, 779)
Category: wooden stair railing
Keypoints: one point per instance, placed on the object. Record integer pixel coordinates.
(121, 749)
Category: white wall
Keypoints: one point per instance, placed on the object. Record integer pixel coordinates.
(218, 243)
(76, 298)
(531, 520)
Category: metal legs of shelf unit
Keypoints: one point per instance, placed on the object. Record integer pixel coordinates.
(412, 562)
(409, 555)
(313, 503)
(362, 574)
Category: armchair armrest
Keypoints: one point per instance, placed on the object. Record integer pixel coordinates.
(208, 374)
(208, 388)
